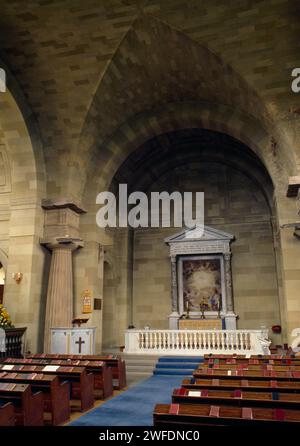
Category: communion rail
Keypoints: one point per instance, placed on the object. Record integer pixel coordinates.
(196, 342)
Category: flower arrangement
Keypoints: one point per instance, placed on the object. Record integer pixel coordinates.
(5, 320)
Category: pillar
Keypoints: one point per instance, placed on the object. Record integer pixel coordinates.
(61, 237)
(230, 317)
(59, 306)
(174, 316)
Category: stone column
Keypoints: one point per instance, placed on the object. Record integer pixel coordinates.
(174, 316)
(230, 317)
(228, 281)
(61, 236)
(59, 306)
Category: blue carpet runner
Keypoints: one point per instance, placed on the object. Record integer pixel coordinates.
(134, 407)
(180, 365)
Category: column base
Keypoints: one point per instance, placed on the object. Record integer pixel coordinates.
(173, 320)
(230, 320)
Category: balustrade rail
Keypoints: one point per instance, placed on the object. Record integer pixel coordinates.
(14, 343)
(196, 342)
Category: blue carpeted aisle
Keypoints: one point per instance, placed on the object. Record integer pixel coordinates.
(134, 407)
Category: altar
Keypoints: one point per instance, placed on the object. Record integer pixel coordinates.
(200, 324)
(201, 280)
(76, 340)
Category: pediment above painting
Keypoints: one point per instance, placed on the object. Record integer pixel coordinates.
(198, 241)
(197, 233)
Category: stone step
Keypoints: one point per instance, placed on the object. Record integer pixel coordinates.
(140, 373)
(140, 368)
(184, 372)
(172, 359)
(175, 365)
(152, 358)
(140, 361)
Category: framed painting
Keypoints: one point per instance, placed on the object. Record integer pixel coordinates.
(201, 284)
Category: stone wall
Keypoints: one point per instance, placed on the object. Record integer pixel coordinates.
(233, 203)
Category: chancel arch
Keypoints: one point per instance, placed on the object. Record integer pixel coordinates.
(239, 199)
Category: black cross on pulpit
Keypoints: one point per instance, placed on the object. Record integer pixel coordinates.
(79, 342)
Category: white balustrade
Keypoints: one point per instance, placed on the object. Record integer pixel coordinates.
(196, 342)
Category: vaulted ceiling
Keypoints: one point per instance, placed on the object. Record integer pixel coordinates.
(86, 68)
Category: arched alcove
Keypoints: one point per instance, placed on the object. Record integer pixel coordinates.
(238, 199)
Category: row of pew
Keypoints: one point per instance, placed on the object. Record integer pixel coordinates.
(45, 389)
(231, 390)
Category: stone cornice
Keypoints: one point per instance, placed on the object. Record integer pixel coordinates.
(62, 203)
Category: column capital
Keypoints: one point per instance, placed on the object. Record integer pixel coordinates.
(173, 258)
(62, 220)
(68, 243)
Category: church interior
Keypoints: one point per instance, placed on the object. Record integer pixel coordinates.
(161, 96)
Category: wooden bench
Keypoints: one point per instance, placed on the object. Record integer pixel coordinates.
(102, 373)
(7, 414)
(116, 363)
(260, 357)
(176, 415)
(237, 397)
(56, 394)
(28, 406)
(277, 362)
(242, 384)
(249, 374)
(82, 383)
(277, 368)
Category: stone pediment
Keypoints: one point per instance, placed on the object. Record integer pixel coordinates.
(197, 233)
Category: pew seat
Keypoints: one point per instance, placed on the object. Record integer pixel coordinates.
(7, 414)
(262, 385)
(237, 397)
(82, 383)
(28, 405)
(249, 374)
(56, 394)
(277, 368)
(175, 415)
(116, 363)
(103, 380)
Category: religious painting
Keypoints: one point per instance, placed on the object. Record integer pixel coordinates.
(202, 284)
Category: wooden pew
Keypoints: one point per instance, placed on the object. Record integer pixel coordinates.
(7, 414)
(56, 394)
(249, 374)
(176, 415)
(278, 362)
(28, 406)
(276, 368)
(277, 356)
(82, 383)
(260, 357)
(248, 398)
(262, 385)
(116, 363)
(102, 373)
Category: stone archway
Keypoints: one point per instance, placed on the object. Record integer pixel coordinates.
(25, 169)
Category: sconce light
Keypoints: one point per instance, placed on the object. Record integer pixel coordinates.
(295, 226)
(17, 277)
